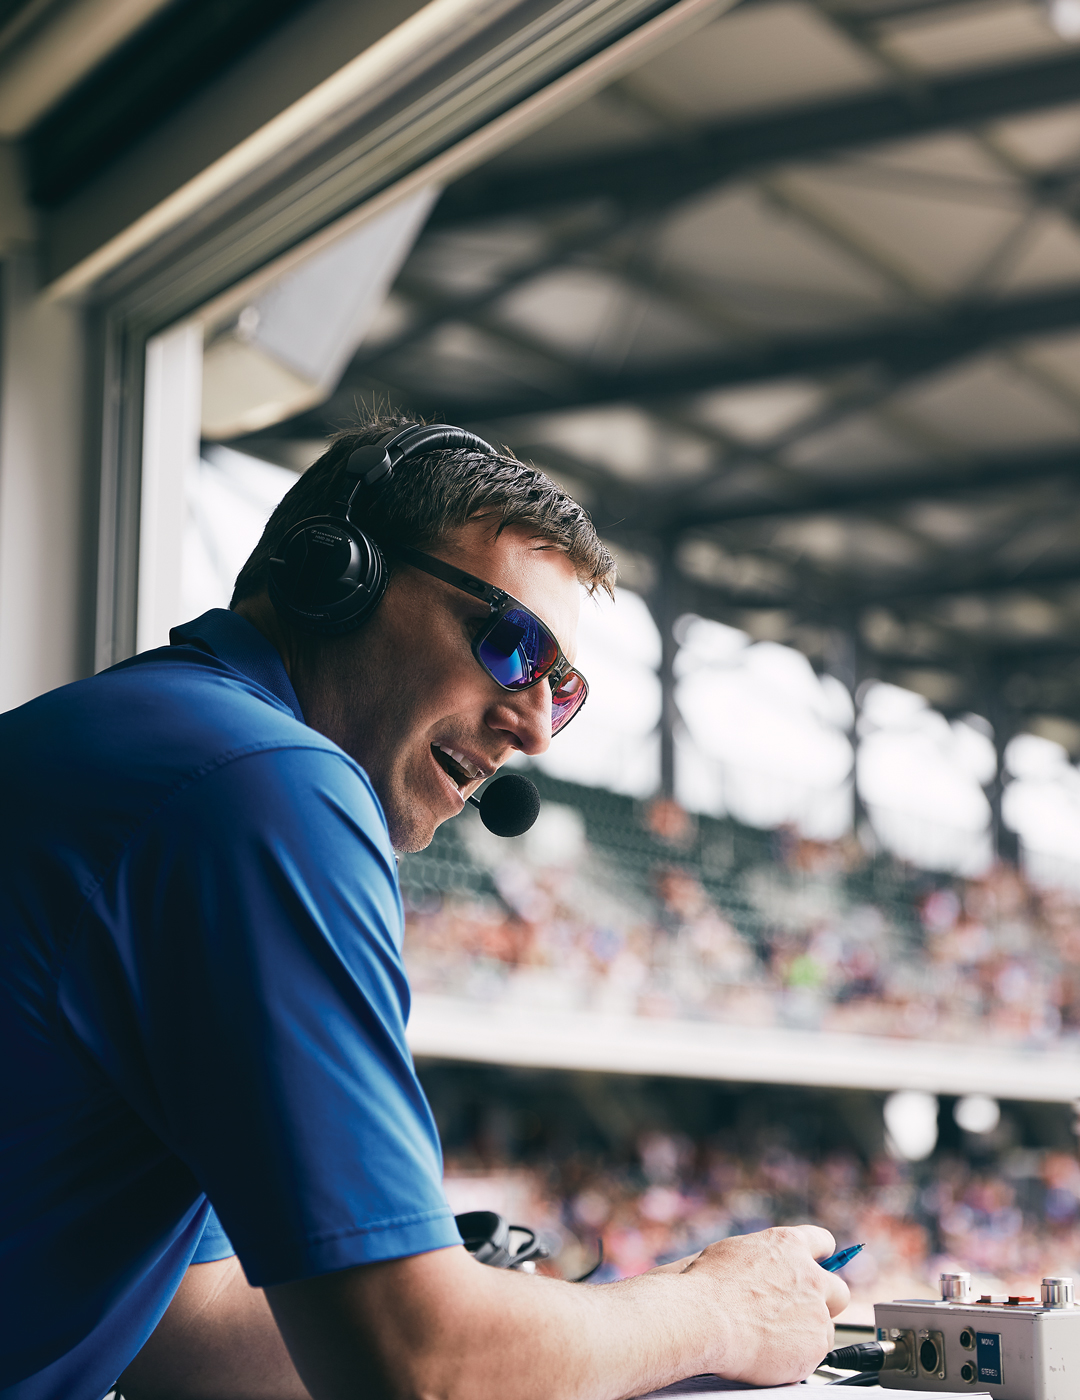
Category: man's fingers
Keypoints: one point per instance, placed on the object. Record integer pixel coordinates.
(837, 1295)
(821, 1244)
(818, 1240)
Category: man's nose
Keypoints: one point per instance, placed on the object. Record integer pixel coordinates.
(526, 716)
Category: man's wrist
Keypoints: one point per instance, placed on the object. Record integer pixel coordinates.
(697, 1322)
(675, 1266)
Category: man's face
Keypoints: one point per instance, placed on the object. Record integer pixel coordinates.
(407, 699)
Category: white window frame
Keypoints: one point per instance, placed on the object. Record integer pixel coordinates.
(331, 161)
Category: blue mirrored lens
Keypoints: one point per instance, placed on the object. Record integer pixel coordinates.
(518, 649)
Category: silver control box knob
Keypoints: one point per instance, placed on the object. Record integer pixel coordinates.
(956, 1288)
(1057, 1292)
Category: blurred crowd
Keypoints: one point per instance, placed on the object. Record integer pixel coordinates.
(1008, 1224)
(804, 939)
(647, 912)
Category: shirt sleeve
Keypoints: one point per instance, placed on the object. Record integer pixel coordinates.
(214, 1243)
(239, 979)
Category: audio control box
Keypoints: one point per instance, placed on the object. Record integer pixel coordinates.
(1018, 1348)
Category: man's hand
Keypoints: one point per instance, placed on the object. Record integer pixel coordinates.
(777, 1302)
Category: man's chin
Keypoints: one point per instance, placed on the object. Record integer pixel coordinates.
(414, 809)
(409, 845)
(412, 831)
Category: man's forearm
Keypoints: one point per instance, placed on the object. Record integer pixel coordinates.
(498, 1334)
(440, 1326)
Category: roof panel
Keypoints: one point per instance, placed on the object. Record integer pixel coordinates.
(627, 442)
(860, 442)
(1014, 614)
(949, 523)
(935, 243)
(1043, 140)
(702, 558)
(475, 258)
(989, 404)
(954, 154)
(456, 358)
(1058, 356)
(392, 318)
(649, 332)
(738, 235)
(764, 55)
(1048, 255)
(760, 411)
(738, 480)
(871, 546)
(969, 36)
(1045, 540)
(599, 317)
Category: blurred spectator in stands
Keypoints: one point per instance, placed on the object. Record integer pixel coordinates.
(1008, 1224)
(824, 937)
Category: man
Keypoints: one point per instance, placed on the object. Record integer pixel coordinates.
(202, 997)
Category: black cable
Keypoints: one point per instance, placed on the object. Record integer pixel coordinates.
(600, 1251)
(530, 1249)
(861, 1356)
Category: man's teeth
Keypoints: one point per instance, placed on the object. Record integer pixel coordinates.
(470, 769)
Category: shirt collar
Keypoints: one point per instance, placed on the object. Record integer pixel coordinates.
(234, 640)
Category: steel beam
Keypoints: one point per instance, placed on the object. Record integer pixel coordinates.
(901, 346)
(834, 597)
(988, 581)
(656, 174)
(867, 489)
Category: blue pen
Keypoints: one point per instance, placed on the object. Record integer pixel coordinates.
(840, 1258)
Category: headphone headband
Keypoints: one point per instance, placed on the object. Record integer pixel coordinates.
(327, 575)
(373, 464)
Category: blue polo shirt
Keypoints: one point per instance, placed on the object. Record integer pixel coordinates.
(202, 999)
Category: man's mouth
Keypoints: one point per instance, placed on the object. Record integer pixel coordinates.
(457, 765)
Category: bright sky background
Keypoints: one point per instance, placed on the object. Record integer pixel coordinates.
(763, 738)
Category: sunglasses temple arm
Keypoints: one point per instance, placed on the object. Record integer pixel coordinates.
(456, 578)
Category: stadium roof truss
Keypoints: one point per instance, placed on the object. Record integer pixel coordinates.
(794, 309)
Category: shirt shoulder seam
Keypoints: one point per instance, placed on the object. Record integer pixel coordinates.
(189, 779)
(228, 668)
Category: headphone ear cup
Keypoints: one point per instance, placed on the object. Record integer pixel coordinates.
(486, 1236)
(327, 576)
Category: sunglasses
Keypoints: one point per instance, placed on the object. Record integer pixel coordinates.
(514, 647)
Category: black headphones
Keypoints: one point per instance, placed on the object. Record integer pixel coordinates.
(486, 1235)
(327, 575)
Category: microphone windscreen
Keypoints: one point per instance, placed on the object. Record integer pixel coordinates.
(509, 805)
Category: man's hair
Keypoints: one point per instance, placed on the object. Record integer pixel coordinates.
(430, 495)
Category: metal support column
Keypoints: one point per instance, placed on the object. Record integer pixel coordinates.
(665, 611)
(1005, 725)
(845, 663)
